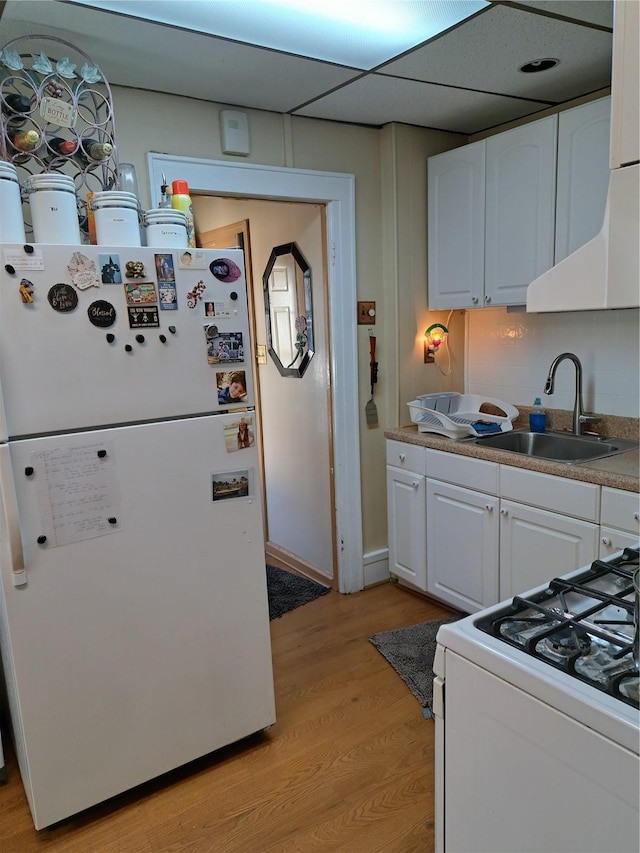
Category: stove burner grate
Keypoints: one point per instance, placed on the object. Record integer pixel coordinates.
(583, 625)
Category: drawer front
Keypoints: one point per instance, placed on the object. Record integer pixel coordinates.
(569, 497)
(475, 474)
(620, 509)
(407, 457)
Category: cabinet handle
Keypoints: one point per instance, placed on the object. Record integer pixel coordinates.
(605, 540)
(474, 299)
(636, 515)
(487, 299)
(488, 507)
(415, 484)
(504, 512)
(402, 456)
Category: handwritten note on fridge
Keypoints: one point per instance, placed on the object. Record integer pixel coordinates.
(78, 492)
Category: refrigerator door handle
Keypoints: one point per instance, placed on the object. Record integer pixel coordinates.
(10, 507)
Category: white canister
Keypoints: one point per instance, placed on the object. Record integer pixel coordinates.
(54, 210)
(166, 228)
(11, 221)
(116, 218)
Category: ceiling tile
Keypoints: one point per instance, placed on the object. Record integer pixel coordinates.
(486, 53)
(598, 12)
(376, 99)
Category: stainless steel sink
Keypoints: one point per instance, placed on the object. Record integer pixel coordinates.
(556, 446)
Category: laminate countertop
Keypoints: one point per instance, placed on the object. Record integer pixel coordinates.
(619, 472)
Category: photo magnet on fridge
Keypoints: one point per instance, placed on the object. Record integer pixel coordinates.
(110, 272)
(226, 485)
(239, 434)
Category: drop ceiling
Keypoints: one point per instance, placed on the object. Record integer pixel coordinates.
(465, 80)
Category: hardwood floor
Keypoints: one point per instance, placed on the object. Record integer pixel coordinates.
(348, 766)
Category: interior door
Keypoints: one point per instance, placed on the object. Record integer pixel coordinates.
(294, 414)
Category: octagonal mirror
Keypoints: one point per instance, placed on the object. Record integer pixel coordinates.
(288, 310)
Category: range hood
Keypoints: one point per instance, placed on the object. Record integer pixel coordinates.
(605, 272)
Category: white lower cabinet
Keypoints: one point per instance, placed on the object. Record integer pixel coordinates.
(536, 545)
(462, 546)
(407, 512)
(472, 533)
(619, 521)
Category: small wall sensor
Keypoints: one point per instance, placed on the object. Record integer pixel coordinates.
(234, 132)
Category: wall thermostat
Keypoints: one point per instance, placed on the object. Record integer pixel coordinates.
(234, 132)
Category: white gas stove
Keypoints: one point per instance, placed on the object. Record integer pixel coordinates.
(537, 720)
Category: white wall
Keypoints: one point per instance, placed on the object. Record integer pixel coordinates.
(509, 354)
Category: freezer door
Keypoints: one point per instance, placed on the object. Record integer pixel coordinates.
(79, 350)
(141, 639)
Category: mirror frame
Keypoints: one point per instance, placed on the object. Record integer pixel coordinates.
(299, 259)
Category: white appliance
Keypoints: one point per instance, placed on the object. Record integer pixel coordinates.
(537, 720)
(133, 605)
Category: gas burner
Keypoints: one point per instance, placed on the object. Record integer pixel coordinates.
(629, 688)
(586, 624)
(565, 644)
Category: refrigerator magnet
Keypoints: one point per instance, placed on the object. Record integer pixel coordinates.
(83, 271)
(239, 434)
(224, 269)
(164, 267)
(134, 269)
(140, 292)
(194, 295)
(192, 259)
(225, 348)
(167, 295)
(226, 485)
(110, 272)
(143, 317)
(62, 297)
(26, 289)
(101, 313)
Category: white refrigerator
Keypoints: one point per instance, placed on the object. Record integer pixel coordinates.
(134, 621)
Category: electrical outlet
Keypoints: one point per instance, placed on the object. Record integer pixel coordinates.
(366, 313)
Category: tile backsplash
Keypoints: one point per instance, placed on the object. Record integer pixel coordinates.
(508, 355)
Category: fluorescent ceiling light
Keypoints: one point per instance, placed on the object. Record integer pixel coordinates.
(358, 33)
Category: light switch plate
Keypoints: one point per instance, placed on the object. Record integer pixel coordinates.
(366, 313)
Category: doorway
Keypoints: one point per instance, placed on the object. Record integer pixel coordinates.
(336, 191)
(294, 413)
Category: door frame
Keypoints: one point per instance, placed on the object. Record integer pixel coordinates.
(337, 191)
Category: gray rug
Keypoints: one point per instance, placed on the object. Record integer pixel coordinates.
(287, 591)
(411, 651)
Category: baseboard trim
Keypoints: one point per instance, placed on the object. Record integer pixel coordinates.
(283, 559)
(376, 567)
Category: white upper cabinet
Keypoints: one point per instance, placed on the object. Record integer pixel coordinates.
(625, 85)
(456, 227)
(583, 174)
(519, 209)
(500, 214)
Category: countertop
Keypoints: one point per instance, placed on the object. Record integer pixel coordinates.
(618, 472)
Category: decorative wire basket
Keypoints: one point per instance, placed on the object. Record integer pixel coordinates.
(55, 118)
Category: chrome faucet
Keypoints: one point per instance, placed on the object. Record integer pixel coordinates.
(579, 417)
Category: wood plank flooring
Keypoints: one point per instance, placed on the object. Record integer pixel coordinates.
(347, 767)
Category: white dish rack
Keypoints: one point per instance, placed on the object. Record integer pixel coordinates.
(458, 415)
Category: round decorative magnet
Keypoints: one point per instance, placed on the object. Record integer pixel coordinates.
(62, 297)
(101, 313)
(225, 269)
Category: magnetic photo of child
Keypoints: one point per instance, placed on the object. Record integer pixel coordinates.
(232, 387)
